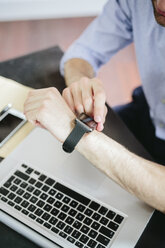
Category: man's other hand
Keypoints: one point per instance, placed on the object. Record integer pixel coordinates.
(88, 96)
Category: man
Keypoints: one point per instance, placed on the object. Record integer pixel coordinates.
(121, 22)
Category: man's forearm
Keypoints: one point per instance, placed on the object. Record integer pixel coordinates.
(143, 178)
(76, 68)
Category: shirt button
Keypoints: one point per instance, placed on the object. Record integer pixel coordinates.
(163, 100)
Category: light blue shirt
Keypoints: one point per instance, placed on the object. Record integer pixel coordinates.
(121, 23)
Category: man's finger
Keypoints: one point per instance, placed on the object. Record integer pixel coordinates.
(77, 97)
(68, 98)
(99, 102)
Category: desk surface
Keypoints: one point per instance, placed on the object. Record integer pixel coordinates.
(40, 70)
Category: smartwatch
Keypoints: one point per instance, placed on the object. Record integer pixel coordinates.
(83, 124)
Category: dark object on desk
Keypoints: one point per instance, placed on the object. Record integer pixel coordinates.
(40, 70)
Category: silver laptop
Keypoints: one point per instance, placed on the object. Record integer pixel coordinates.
(61, 200)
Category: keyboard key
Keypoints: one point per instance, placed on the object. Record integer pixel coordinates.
(13, 188)
(78, 244)
(76, 234)
(18, 207)
(30, 188)
(32, 181)
(78, 197)
(65, 208)
(107, 232)
(45, 188)
(42, 177)
(25, 212)
(103, 240)
(88, 212)
(11, 203)
(18, 199)
(37, 192)
(43, 196)
(17, 181)
(55, 211)
(59, 196)
(40, 203)
(50, 200)
(7, 184)
(39, 220)
(94, 205)
(103, 210)
(31, 208)
(96, 216)
(38, 185)
(73, 204)
(69, 220)
(37, 173)
(45, 216)
(81, 208)
(104, 221)
(80, 216)
(72, 212)
(112, 225)
(100, 246)
(84, 239)
(24, 166)
(66, 199)
(92, 243)
(68, 229)
(47, 225)
(118, 219)
(53, 220)
(62, 216)
(26, 196)
(29, 171)
(87, 221)
(4, 191)
(85, 229)
(55, 230)
(11, 179)
(58, 204)
(49, 181)
(23, 185)
(20, 192)
(92, 234)
(111, 214)
(52, 192)
(70, 239)
(21, 175)
(95, 225)
(62, 234)
(32, 216)
(77, 225)
(60, 225)
(47, 207)
(4, 199)
(25, 204)
(39, 212)
(11, 196)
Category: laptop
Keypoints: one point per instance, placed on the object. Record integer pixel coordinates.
(57, 199)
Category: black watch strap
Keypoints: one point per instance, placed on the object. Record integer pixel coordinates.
(78, 131)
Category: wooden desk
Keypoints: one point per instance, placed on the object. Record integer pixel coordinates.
(40, 70)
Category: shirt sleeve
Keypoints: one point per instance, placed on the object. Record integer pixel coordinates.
(104, 37)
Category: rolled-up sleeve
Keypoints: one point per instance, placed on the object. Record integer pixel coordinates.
(104, 37)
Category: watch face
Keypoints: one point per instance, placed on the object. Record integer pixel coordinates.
(87, 120)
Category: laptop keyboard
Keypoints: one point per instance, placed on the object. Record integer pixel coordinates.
(81, 221)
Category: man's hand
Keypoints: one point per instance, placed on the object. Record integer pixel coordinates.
(47, 108)
(88, 96)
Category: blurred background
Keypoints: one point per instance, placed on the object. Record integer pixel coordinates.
(30, 25)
